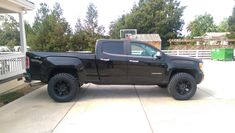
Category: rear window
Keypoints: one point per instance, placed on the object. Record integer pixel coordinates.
(113, 47)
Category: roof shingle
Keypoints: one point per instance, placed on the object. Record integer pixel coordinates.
(148, 37)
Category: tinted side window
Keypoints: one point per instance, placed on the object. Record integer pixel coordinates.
(138, 49)
(113, 47)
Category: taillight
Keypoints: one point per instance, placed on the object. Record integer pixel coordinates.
(27, 62)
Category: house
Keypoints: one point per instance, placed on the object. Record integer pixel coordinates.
(152, 39)
(214, 38)
(12, 64)
(217, 38)
(20, 7)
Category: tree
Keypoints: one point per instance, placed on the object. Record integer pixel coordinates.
(79, 27)
(231, 24)
(79, 38)
(201, 25)
(231, 21)
(9, 33)
(141, 2)
(50, 31)
(152, 16)
(29, 34)
(223, 26)
(79, 42)
(86, 34)
(91, 28)
(116, 26)
(91, 21)
(10, 44)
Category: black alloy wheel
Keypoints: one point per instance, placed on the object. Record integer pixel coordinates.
(183, 87)
(62, 88)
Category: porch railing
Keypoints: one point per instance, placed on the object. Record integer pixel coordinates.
(11, 64)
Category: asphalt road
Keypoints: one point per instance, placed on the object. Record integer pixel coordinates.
(129, 109)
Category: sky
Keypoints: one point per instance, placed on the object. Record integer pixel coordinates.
(110, 10)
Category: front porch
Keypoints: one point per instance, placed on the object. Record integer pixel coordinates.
(12, 64)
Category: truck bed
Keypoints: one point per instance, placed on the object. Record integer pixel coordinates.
(64, 54)
(38, 71)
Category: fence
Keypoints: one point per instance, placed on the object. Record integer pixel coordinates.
(201, 54)
(11, 64)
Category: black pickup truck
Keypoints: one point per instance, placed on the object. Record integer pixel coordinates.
(118, 62)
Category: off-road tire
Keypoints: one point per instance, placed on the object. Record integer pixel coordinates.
(63, 83)
(178, 90)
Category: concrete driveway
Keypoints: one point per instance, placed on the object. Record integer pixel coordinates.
(129, 109)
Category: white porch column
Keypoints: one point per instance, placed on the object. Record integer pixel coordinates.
(23, 43)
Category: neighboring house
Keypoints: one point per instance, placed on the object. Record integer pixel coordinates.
(152, 39)
(214, 38)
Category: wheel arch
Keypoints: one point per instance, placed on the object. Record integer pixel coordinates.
(55, 65)
(192, 72)
(55, 71)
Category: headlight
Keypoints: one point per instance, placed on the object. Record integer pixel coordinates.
(201, 66)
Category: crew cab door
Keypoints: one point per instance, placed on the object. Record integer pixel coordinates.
(112, 62)
(143, 67)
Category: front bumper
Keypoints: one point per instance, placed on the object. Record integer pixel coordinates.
(200, 77)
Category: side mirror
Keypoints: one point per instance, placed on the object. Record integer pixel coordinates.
(158, 55)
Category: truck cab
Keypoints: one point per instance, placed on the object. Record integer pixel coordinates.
(129, 62)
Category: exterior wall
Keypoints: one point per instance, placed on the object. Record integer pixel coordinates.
(156, 44)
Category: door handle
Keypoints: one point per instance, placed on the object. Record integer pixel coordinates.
(134, 61)
(104, 59)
